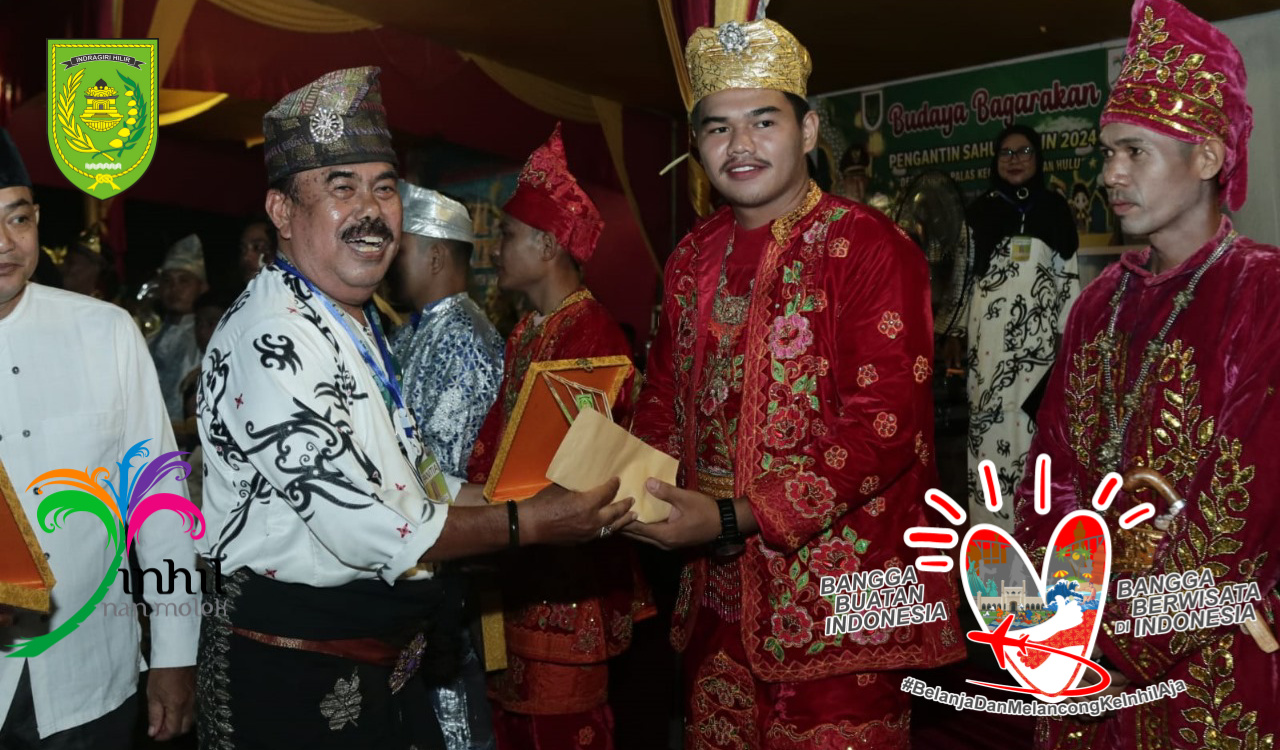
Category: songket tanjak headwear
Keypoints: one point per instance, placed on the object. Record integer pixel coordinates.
(548, 198)
(756, 55)
(185, 255)
(13, 173)
(336, 119)
(1184, 78)
(430, 214)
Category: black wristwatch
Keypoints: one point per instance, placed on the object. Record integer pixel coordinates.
(730, 543)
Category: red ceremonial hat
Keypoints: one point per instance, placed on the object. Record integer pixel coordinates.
(548, 198)
(1184, 78)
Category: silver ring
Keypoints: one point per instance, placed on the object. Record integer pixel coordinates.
(605, 531)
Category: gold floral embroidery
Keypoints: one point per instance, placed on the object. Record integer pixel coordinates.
(1213, 687)
(891, 731)
(838, 248)
(1194, 102)
(782, 227)
(1083, 397)
(922, 449)
(722, 706)
(1186, 438)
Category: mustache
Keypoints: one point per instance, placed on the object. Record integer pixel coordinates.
(735, 163)
(367, 226)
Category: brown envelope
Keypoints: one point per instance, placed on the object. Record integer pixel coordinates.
(595, 450)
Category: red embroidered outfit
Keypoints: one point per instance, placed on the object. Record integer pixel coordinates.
(1175, 373)
(802, 383)
(568, 610)
(1209, 422)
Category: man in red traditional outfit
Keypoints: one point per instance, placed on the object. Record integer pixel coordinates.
(790, 375)
(567, 610)
(1168, 365)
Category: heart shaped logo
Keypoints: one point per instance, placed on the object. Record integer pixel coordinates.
(1041, 628)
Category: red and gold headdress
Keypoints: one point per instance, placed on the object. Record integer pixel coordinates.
(548, 198)
(1184, 78)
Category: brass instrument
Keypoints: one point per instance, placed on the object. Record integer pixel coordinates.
(144, 308)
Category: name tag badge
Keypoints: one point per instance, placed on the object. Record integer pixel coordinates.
(433, 479)
(1020, 248)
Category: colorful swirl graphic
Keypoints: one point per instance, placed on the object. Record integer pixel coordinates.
(122, 508)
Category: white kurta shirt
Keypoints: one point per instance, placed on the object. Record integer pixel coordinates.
(79, 389)
(309, 479)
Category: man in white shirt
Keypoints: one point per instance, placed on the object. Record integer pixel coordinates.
(325, 512)
(79, 391)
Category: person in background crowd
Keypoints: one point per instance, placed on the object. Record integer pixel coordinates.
(86, 268)
(173, 347)
(451, 363)
(1024, 281)
(257, 247)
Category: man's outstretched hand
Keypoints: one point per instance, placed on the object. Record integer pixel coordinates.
(559, 516)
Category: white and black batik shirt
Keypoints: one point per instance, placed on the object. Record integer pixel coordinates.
(308, 478)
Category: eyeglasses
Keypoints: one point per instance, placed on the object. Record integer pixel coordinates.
(1008, 153)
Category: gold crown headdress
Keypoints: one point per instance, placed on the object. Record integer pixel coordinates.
(756, 55)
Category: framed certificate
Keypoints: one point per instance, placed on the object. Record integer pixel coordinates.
(551, 396)
(25, 578)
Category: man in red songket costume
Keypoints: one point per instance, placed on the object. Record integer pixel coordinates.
(567, 611)
(1168, 364)
(790, 375)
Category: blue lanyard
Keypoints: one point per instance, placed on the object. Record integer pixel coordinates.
(386, 377)
(1022, 210)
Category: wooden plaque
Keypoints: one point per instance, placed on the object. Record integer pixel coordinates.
(551, 395)
(25, 578)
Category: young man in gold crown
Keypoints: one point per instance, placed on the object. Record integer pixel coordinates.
(1168, 365)
(790, 376)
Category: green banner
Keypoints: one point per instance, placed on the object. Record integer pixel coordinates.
(947, 123)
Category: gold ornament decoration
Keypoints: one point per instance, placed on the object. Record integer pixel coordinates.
(101, 114)
(757, 55)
